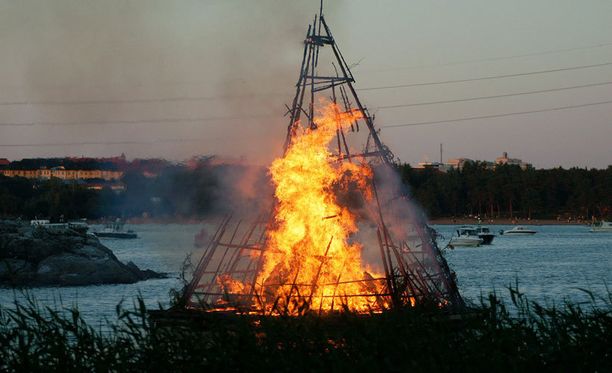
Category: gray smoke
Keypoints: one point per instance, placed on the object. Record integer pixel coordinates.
(243, 56)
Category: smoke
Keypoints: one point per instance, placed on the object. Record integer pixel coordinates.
(261, 66)
(242, 56)
(402, 217)
(243, 190)
(400, 211)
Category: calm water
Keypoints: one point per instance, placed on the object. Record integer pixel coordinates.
(550, 266)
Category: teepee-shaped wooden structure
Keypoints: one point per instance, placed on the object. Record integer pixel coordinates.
(382, 257)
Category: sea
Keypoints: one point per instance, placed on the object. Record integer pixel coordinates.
(560, 263)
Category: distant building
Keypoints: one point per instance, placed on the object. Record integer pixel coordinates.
(503, 160)
(4, 162)
(432, 166)
(115, 187)
(61, 173)
(458, 163)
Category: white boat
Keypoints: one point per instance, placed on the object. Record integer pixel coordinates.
(466, 236)
(39, 222)
(519, 231)
(486, 234)
(115, 230)
(76, 225)
(602, 226)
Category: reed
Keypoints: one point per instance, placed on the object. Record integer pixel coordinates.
(490, 336)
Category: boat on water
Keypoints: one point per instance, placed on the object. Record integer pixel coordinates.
(601, 226)
(201, 238)
(80, 225)
(518, 231)
(40, 222)
(465, 236)
(76, 225)
(116, 230)
(486, 235)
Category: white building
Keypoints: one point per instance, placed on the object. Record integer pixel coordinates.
(511, 161)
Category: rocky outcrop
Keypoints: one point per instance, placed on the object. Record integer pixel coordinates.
(39, 256)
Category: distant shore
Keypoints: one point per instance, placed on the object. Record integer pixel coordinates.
(438, 221)
(502, 221)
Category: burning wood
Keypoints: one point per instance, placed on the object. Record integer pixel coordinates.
(331, 208)
(313, 251)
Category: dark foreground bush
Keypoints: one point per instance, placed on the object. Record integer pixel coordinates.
(491, 337)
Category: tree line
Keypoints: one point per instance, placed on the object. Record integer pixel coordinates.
(180, 191)
(177, 191)
(509, 191)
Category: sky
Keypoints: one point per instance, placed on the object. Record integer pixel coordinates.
(179, 78)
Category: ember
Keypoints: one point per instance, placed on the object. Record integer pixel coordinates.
(342, 235)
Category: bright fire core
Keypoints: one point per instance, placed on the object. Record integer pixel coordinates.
(308, 262)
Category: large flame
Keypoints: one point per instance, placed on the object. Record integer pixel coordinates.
(308, 261)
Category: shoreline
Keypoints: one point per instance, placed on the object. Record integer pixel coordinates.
(435, 221)
(506, 221)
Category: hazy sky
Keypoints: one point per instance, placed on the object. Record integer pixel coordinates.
(177, 78)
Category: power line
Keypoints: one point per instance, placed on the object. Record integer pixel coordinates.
(552, 51)
(487, 77)
(496, 96)
(136, 100)
(104, 143)
(136, 121)
(385, 126)
(497, 115)
(272, 94)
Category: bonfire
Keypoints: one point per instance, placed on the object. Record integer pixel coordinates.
(342, 234)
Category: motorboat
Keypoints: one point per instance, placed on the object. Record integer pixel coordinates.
(39, 222)
(201, 238)
(486, 234)
(79, 226)
(601, 226)
(518, 231)
(115, 230)
(466, 236)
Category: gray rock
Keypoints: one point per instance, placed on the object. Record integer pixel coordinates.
(36, 256)
(70, 270)
(15, 271)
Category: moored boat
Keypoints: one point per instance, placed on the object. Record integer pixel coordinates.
(601, 226)
(486, 235)
(76, 225)
(115, 230)
(466, 236)
(201, 238)
(518, 231)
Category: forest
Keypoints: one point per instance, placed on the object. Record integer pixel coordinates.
(510, 192)
(195, 192)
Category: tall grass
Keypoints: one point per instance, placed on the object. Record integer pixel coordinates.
(491, 336)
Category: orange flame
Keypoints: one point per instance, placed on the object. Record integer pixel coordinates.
(308, 262)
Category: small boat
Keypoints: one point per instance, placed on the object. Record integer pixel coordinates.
(115, 230)
(39, 222)
(76, 225)
(466, 236)
(518, 231)
(201, 238)
(601, 226)
(486, 235)
(80, 225)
